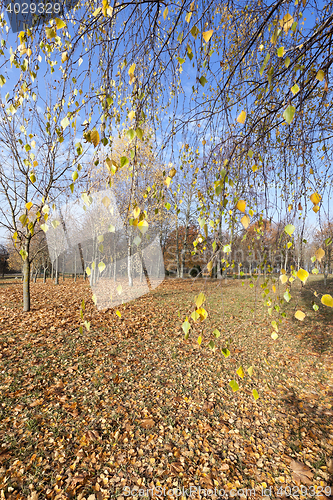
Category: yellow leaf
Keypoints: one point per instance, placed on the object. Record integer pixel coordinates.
(207, 35)
(299, 315)
(320, 75)
(94, 137)
(287, 22)
(118, 314)
(167, 181)
(302, 275)
(274, 288)
(131, 73)
(59, 23)
(242, 117)
(143, 226)
(200, 299)
(255, 394)
(188, 17)
(172, 172)
(64, 56)
(210, 266)
(315, 209)
(250, 371)
(199, 340)
(136, 212)
(283, 279)
(241, 204)
(131, 115)
(320, 253)
(327, 300)
(315, 198)
(245, 220)
(106, 201)
(35, 163)
(165, 13)
(274, 335)
(240, 372)
(28, 205)
(203, 313)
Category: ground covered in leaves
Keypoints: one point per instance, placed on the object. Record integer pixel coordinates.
(129, 405)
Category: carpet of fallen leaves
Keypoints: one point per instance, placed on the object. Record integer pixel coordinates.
(130, 403)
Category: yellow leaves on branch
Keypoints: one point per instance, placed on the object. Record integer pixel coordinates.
(327, 300)
(242, 117)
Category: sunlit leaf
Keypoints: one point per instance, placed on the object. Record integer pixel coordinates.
(289, 229)
(94, 136)
(302, 275)
(241, 205)
(44, 227)
(101, 267)
(216, 333)
(320, 253)
(250, 371)
(287, 296)
(165, 13)
(143, 226)
(241, 117)
(289, 113)
(274, 335)
(245, 220)
(199, 340)
(255, 394)
(200, 299)
(59, 23)
(315, 198)
(207, 35)
(299, 315)
(203, 313)
(240, 372)
(64, 122)
(234, 386)
(118, 313)
(327, 300)
(320, 75)
(186, 326)
(295, 89)
(280, 52)
(225, 352)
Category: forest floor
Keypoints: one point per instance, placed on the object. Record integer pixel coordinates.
(129, 408)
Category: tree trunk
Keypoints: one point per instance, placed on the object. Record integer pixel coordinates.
(26, 285)
(56, 281)
(177, 250)
(44, 275)
(129, 262)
